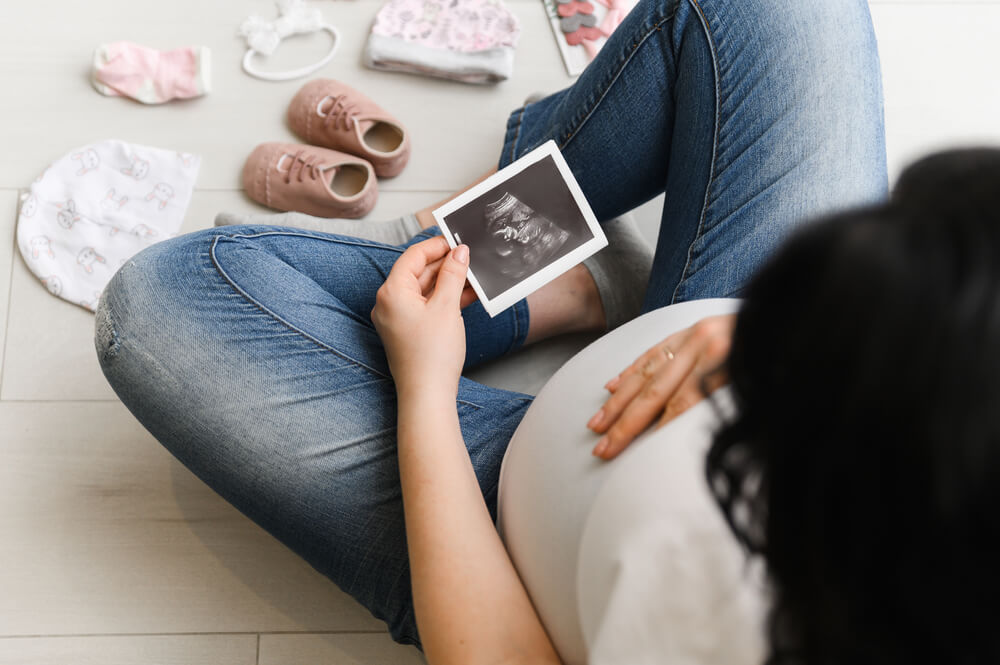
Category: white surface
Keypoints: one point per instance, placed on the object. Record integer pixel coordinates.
(8, 215)
(660, 575)
(335, 649)
(131, 650)
(542, 520)
(114, 536)
(89, 541)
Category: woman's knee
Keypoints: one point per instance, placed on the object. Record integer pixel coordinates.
(805, 79)
(800, 52)
(145, 304)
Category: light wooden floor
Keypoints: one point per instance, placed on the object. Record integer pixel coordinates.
(111, 552)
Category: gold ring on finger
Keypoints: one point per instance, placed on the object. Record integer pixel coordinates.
(667, 352)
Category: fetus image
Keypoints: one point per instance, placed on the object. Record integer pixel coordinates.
(519, 226)
(522, 239)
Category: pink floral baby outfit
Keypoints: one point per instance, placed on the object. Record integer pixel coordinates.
(471, 41)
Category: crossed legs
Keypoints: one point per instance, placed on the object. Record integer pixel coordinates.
(249, 353)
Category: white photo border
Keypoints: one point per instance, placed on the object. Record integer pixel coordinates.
(532, 283)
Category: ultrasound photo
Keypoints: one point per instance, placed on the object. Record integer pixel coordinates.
(520, 227)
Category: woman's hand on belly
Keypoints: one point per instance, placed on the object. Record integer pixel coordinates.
(663, 382)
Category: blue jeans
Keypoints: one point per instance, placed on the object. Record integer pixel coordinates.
(249, 352)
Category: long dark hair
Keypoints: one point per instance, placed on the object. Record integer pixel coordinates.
(863, 459)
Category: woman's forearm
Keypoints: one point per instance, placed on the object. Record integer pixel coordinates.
(471, 606)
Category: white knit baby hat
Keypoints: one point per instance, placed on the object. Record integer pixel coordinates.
(95, 208)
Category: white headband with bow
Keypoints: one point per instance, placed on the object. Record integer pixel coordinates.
(263, 37)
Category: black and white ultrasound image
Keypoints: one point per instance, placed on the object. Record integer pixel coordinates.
(519, 227)
(523, 238)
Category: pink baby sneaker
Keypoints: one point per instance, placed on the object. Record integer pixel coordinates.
(305, 178)
(328, 113)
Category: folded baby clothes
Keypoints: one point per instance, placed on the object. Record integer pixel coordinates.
(124, 69)
(471, 41)
(96, 207)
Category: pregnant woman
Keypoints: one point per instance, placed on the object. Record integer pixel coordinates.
(250, 352)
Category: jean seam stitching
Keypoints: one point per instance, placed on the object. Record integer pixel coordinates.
(617, 74)
(358, 242)
(715, 148)
(493, 490)
(274, 316)
(517, 133)
(517, 328)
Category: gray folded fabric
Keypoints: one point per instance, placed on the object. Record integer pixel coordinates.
(398, 55)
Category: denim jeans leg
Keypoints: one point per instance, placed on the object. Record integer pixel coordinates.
(752, 117)
(249, 354)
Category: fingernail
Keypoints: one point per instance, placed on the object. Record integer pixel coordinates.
(601, 447)
(596, 419)
(462, 255)
(612, 384)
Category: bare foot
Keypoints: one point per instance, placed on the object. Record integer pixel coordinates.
(569, 303)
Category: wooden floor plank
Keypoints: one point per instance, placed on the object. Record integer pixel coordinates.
(131, 650)
(103, 532)
(8, 206)
(336, 650)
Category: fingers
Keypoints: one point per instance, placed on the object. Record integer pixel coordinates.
(416, 258)
(428, 276)
(687, 395)
(639, 401)
(664, 349)
(634, 376)
(451, 279)
(411, 272)
(430, 268)
(663, 382)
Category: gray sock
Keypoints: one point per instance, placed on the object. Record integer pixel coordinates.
(621, 270)
(393, 232)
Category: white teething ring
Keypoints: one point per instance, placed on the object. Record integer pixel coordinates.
(294, 73)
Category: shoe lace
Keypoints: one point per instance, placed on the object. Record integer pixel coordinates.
(313, 168)
(340, 112)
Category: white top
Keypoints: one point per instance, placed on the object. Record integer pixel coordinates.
(629, 561)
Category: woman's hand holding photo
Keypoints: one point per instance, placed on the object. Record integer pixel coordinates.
(663, 383)
(418, 316)
(469, 602)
